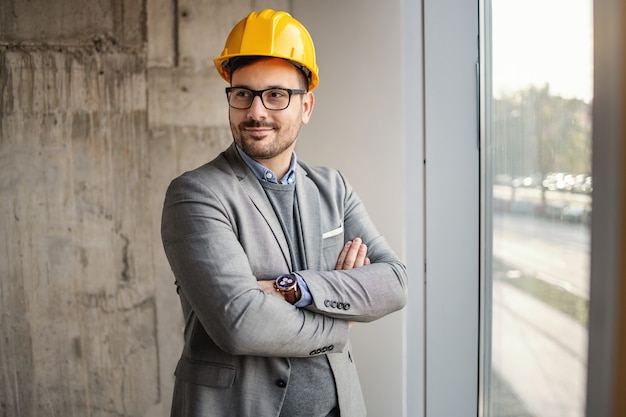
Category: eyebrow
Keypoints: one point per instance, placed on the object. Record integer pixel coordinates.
(271, 86)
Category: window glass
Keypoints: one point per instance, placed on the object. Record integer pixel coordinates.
(538, 207)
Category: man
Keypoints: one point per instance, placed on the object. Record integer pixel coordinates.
(274, 260)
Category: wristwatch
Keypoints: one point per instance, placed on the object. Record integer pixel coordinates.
(288, 285)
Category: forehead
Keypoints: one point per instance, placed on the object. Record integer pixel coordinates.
(271, 72)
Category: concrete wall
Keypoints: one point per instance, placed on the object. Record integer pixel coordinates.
(77, 288)
(101, 105)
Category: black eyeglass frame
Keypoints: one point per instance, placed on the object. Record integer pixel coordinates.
(259, 93)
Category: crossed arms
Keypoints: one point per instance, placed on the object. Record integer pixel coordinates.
(352, 255)
(224, 262)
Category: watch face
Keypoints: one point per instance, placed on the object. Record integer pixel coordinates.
(286, 282)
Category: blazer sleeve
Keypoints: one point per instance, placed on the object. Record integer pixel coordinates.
(213, 275)
(362, 294)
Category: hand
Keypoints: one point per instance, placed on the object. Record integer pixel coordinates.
(268, 287)
(353, 255)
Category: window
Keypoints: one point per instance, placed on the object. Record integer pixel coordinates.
(536, 207)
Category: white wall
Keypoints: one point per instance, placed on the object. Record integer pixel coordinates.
(357, 127)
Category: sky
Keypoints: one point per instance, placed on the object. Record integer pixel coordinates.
(539, 42)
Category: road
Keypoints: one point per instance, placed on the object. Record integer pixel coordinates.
(552, 250)
(540, 352)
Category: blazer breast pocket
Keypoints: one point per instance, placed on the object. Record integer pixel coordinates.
(332, 242)
(333, 233)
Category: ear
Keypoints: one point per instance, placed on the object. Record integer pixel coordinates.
(308, 101)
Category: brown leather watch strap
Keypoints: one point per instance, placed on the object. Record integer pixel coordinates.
(292, 296)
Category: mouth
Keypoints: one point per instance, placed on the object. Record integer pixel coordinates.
(257, 131)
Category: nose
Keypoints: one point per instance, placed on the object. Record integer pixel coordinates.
(257, 110)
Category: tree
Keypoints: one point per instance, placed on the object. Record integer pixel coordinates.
(536, 133)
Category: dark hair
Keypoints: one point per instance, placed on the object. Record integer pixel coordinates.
(238, 62)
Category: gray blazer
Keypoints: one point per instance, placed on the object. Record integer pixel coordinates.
(220, 235)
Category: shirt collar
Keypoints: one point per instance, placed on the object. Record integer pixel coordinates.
(265, 174)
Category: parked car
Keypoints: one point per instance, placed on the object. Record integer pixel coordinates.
(575, 213)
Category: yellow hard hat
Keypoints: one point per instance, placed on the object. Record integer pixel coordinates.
(273, 34)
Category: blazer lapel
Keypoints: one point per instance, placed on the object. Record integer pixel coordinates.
(257, 195)
(309, 207)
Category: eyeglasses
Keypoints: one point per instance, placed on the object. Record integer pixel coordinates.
(272, 98)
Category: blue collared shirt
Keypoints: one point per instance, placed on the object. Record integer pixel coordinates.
(265, 174)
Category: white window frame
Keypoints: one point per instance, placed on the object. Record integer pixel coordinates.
(444, 343)
(443, 313)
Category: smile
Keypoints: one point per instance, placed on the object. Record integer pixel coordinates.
(258, 131)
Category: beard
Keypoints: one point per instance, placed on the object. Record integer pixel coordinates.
(264, 147)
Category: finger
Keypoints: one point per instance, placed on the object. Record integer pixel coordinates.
(352, 254)
(267, 286)
(278, 294)
(342, 255)
(264, 285)
(367, 261)
(359, 261)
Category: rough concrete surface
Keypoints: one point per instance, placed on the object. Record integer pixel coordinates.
(102, 103)
(77, 292)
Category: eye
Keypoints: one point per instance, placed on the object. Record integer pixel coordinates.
(242, 93)
(277, 93)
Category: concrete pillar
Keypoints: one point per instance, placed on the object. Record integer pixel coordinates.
(77, 288)
(101, 105)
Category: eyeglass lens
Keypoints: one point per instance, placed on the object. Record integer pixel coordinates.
(272, 98)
